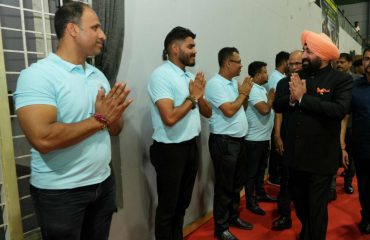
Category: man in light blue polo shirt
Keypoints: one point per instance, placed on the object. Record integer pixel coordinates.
(228, 126)
(281, 69)
(260, 121)
(176, 101)
(67, 111)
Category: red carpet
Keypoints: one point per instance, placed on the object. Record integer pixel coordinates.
(344, 216)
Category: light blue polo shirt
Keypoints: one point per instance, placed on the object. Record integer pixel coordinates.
(219, 90)
(274, 79)
(72, 90)
(168, 81)
(260, 126)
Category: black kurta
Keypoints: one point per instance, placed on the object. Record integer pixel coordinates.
(312, 141)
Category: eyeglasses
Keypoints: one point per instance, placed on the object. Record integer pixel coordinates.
(238, 62)
(294, 64)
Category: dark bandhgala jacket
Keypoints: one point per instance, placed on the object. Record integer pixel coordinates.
(312, 129)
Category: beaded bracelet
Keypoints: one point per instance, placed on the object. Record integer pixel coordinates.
(103, 120)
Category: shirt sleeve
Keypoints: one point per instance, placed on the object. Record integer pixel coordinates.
(34, 87)
(256, 96)
(159, 88)
(215, 94)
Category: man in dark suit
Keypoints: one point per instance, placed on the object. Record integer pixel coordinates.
(360, 108)
(316, 106)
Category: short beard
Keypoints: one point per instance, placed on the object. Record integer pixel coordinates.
(184, 60)
(312, 66)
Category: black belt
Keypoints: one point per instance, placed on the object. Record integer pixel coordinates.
(187, 142)
(239, 139)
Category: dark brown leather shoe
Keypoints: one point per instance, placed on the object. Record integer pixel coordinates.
(348, 188)
(225, 235)
(282, 223)
(238, 223)
(254, 208)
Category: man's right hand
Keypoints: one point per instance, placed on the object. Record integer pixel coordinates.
(246, 86)
(114, 104)
(345, 159)
(279, 145)
(196, 87)
(271, 95)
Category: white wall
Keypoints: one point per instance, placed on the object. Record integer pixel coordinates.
(347, 43)
(259, 29)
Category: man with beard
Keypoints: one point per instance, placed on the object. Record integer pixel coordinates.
(344, 64)
(360, 108)
(316, 106)
(274, 162)
(71, 184)
(228, 126)
(176, 100)
(284, 199)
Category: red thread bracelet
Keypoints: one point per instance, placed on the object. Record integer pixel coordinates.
(100, 118)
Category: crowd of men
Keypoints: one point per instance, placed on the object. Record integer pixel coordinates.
(305, 119)
(302, 109)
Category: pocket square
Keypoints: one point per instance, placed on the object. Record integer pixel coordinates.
(322, 90)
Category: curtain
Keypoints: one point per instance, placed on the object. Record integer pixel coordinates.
(111, 15)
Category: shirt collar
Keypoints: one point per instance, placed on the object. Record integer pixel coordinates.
(70, 66)
(178, 70)
(258, 86)
(224, 80)
(282, 75)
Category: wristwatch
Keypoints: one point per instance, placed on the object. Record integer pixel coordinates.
(193, 101)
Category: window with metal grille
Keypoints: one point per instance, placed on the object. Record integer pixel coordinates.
(27, 35)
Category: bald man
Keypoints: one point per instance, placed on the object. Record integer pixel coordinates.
(284, 200)
(316, 100)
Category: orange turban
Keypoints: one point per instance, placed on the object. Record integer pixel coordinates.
(321, 45)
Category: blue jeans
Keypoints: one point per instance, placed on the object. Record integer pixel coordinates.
(74, 214)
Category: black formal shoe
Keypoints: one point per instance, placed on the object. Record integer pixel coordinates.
(238, 223)
(282, 223)
(364, 227)
(332, 195)
(348, 188)
(254, 208)
(225, 235)
(265, 198)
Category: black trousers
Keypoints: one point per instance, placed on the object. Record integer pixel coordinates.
(363, 181)
(284, 197)
(176, 166)
(228, 157)
(256, 164)
(349, 173)
(310, 197)
(275, 160)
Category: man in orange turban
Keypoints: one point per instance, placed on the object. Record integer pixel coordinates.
(321, 45)
(315, 107)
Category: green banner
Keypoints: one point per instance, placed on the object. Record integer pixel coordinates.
(330, 22)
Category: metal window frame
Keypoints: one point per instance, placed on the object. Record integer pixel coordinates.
(13, 225)
(13, 220)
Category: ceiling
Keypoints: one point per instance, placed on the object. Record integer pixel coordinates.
(347, 2)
